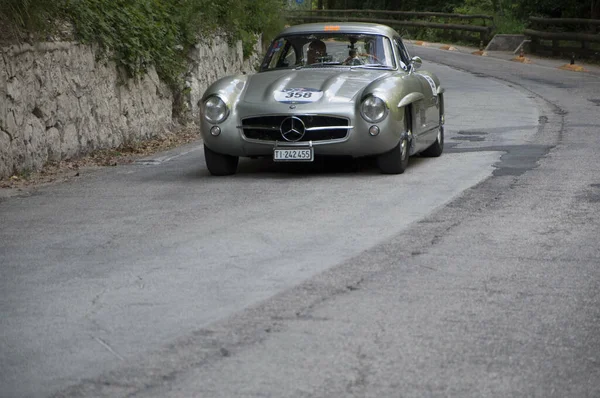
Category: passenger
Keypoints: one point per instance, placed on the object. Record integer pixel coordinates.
(316, 51)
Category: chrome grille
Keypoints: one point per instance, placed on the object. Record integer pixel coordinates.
(318, 128)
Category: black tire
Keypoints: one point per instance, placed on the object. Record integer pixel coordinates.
(396, 160)
(219, 164)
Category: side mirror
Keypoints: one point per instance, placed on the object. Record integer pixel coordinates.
(416, 62)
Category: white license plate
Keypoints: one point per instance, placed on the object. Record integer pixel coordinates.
(293, 155)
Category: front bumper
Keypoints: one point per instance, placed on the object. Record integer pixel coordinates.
(356, 143)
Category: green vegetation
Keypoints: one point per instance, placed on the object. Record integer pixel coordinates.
(28, 14)
(510, 16)
(142, 33)
(505, 20)
(518, 9)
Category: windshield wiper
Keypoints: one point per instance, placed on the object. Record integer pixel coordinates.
(320, 64)
(371, 66)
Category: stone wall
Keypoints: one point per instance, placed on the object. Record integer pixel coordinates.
(57, 101)
(215, 59)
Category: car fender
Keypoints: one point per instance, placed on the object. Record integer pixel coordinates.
(410, 98)
(228, 88)
(394, 90)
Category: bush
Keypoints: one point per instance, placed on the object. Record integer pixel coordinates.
(136, 34)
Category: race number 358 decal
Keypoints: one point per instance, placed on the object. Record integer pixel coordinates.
(296, 95)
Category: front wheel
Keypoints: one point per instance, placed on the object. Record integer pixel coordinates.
(219, 164)
(396, 160)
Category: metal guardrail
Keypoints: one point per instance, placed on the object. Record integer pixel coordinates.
(374, 16)
(563, 41)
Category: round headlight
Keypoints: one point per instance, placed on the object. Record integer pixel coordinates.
(215, 110)
(373, 109)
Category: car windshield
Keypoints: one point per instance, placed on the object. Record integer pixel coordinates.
(329, 50)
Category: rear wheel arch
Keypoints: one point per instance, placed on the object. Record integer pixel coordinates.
(437, 147)
(409, 125)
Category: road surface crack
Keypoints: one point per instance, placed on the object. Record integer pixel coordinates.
(108, 348)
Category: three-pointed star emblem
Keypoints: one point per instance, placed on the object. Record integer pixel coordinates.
(292, 129)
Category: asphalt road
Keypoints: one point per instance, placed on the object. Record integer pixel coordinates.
(474, 274)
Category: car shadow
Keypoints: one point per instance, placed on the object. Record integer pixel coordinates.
(329, 166)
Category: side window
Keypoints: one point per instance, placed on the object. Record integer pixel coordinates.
(290, 58)
(404, 57)
(282, 54)
(275, 53)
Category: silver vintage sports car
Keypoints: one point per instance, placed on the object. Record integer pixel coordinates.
(326, 89)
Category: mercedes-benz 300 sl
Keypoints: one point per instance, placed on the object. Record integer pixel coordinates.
(347, 89)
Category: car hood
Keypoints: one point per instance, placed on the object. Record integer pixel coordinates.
(327, 85)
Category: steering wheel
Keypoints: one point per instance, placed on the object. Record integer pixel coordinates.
(353, 61)
(361, 58)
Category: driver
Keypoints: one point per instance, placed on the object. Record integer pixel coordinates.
(316, 51)
(352, 58)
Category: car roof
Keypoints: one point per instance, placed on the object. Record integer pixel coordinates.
(340, 27)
